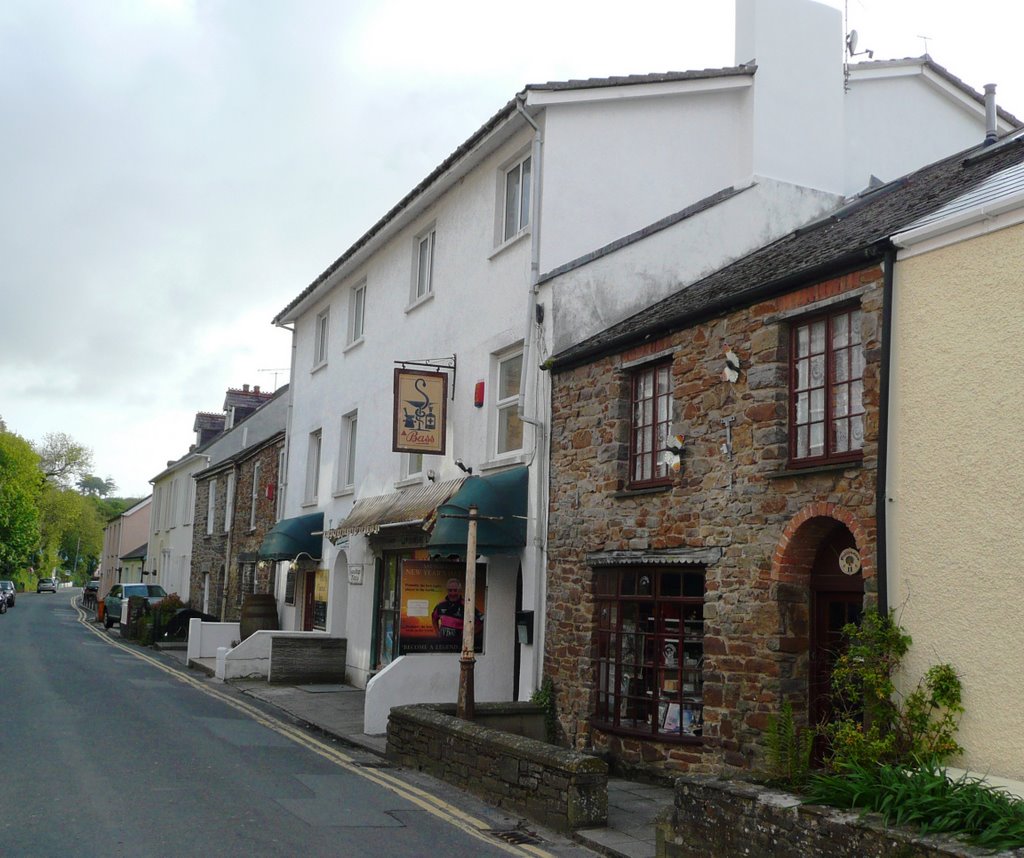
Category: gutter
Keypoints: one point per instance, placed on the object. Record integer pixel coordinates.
(881, 474)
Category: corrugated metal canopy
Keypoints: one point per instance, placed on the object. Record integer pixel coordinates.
(414, 507)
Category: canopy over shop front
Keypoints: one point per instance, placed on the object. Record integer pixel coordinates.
(292, 537)
(413, 507)
(500, 500)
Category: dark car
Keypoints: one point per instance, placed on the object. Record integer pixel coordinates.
(47, 585)
(7, 592)
(153, 593)
(90, 592)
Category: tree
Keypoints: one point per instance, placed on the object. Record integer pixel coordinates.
(61, 458)
(90, 484)
(19, 494)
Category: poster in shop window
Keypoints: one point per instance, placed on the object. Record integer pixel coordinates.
(433, 607)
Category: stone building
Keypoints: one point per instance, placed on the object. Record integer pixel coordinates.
(225, 561)
(718, 472)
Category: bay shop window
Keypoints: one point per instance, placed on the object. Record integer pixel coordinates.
(650, 650)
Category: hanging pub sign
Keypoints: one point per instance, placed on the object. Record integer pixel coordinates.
(421, 401)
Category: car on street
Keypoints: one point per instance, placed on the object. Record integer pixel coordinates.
(116, 595)
(90, 592)
(47, 585)
(7, 592)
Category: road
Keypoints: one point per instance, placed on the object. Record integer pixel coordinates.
(107, 748)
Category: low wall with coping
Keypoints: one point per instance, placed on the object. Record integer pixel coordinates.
(714, 818)
(556, 787)
(205, 638)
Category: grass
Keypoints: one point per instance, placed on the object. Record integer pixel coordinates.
(925, 797)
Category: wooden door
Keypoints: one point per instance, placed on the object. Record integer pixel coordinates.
(308, 591)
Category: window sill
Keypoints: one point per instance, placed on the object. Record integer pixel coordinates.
(517, 458)
(647, 735)
(645, 490)
(414, 480)
(419, 302)
(352, 345)
(509, 242)
(345, 492)
(318, 367)
(824, 468)
(310, 504)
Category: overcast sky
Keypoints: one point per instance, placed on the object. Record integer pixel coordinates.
(176, 171)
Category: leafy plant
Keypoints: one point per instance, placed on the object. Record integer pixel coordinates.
(788, 748)
(870, 722)
(922, 795)
(545, 698)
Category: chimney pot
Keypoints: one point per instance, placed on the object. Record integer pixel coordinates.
(256, 388)
(245, 388)
(991, 128)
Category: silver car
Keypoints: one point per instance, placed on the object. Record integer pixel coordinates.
(47, 585)
(153, 593)
(7, 592)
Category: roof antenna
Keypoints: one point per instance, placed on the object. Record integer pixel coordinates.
(925, 40)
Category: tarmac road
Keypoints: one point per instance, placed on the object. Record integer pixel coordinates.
(107, 748)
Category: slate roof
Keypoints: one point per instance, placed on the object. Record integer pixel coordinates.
(136, 553)
(851, 236)
(247, 397)
(481, 133)
(206, 420)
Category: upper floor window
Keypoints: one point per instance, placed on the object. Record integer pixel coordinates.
(313, 467)
(424, 266)
(509, 436)
(323, 321)
(229, 502)
(650, 425)
(826, 412)
(413, 464)
(211, 500)
(279, 497)
(517, 199)
(347, 457)
(255, 495)
(357, 312)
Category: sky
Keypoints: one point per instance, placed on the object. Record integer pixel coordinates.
(176, 171)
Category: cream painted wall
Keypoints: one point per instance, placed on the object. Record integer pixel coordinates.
(956, 481)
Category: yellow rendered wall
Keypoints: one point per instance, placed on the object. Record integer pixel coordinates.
(956, 482)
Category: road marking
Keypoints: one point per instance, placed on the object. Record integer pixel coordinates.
(449, 813)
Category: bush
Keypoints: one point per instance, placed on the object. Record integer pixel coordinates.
(924, 796)
(870, 724)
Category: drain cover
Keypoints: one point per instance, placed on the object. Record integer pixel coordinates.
(516, 837)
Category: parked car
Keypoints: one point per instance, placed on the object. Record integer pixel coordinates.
(91, 592)
(153, 593)
(47, 585)
(7, 592)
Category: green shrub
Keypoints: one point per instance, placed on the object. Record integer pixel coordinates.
(870, 723)
(924, 796)
(545, 698)
(788, 749)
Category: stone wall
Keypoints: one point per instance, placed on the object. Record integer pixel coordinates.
(712, 818)
(561, 789)
(742, 501)
(208, 550)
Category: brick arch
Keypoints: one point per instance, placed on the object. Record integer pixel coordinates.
(796, 548)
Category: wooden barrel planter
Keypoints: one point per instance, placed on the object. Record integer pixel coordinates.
(259, 611)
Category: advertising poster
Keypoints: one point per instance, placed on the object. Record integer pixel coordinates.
(433, 607)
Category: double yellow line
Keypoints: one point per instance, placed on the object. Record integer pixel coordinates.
(450, 813)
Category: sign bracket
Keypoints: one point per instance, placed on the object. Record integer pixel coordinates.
(444, 364)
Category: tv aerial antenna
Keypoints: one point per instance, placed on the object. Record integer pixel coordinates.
(276, 370)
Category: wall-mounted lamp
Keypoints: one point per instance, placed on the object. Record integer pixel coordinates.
(731, 370)
(462, 466)
(432, 475)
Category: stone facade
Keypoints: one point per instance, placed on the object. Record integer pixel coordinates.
(228, 555)
(758, 521)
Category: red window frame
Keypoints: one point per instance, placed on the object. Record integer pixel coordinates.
(826, 388)
(650, 422)
(649, 651)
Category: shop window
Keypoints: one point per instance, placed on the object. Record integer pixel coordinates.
(650, 651)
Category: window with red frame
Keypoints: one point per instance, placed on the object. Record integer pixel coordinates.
(650, 651)
(826, 414)
(652, 416)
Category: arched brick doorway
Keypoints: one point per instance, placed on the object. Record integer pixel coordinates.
(821, 597)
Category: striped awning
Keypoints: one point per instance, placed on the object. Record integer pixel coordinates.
(412, 507)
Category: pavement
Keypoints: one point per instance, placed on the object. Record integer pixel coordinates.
(337, 711)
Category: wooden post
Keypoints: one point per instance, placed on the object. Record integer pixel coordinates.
(466, 705)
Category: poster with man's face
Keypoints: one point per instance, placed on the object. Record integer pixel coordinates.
(433, 606)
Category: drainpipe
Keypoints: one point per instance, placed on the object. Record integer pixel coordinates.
(882, 475)
(536, 548)
(282, 478)
(991, 128)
